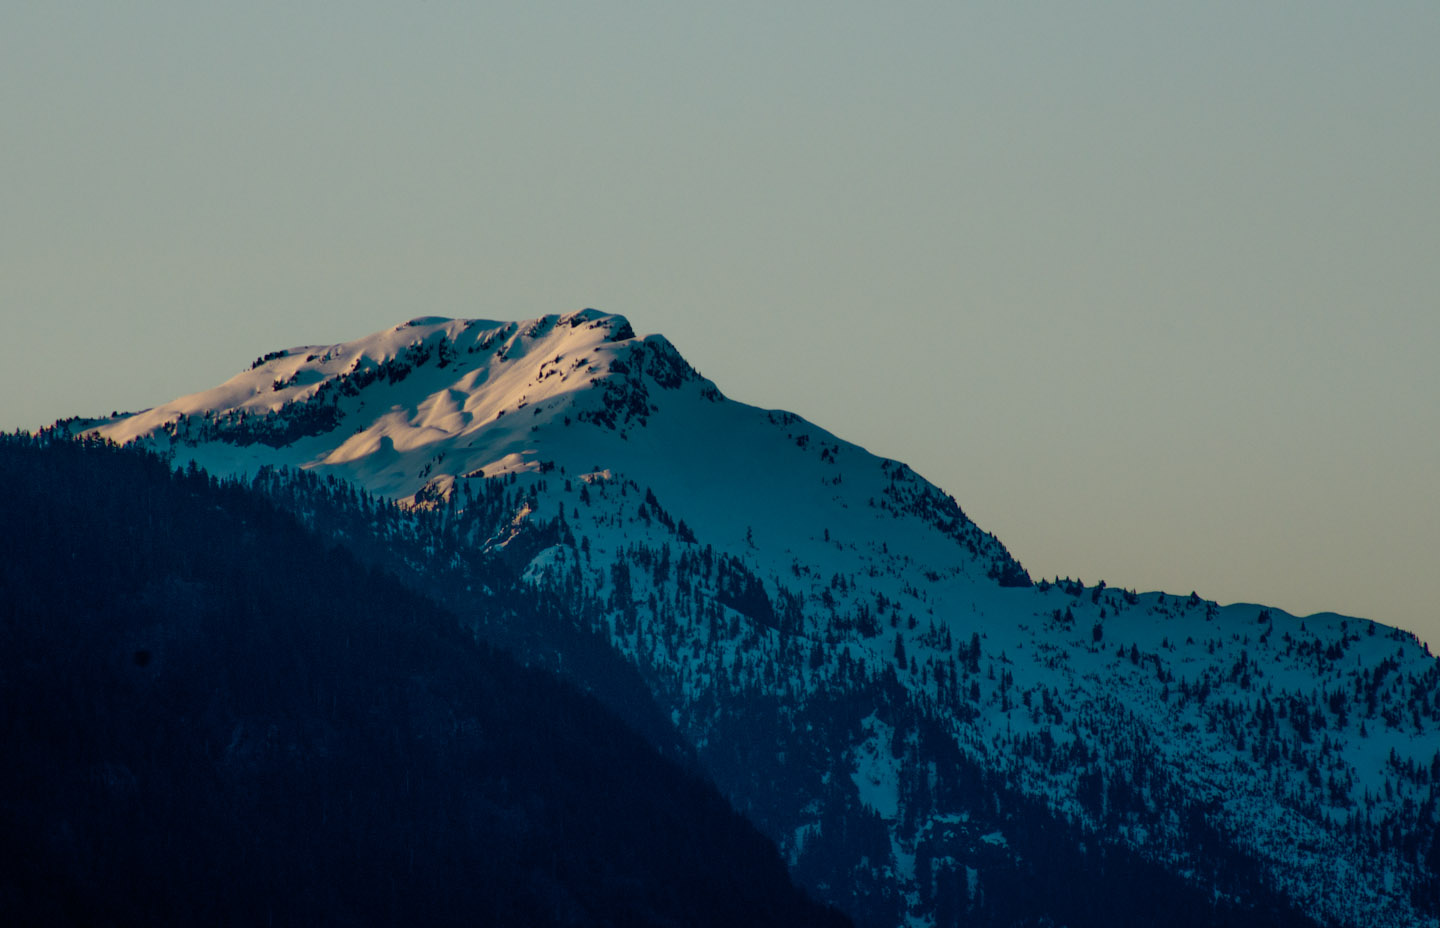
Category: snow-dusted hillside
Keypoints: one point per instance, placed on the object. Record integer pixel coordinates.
(837, 621)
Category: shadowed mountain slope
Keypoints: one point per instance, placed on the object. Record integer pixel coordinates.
(211, 717)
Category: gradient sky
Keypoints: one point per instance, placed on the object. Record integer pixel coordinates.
(1152, 288)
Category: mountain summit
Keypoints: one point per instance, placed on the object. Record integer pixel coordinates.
(417, 411)
(929, 736)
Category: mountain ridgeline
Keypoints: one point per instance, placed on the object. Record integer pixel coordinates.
(929, 736)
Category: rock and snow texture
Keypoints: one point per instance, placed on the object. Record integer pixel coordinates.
(731, 550)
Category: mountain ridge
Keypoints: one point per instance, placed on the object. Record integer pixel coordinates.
(734, 553)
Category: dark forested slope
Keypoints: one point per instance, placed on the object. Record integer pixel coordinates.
(209, 716)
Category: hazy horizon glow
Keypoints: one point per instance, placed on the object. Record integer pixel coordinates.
(1152, 291)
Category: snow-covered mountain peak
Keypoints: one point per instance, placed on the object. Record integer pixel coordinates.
(419, 411)
(728, 549)
(397, 398)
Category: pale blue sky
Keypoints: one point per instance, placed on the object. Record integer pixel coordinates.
(1152, 288)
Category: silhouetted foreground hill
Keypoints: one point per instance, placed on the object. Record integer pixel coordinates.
(209, 717)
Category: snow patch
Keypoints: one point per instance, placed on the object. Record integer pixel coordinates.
(877, 769)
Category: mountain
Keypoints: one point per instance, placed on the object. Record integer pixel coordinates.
(212, 716)
(930, 736)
